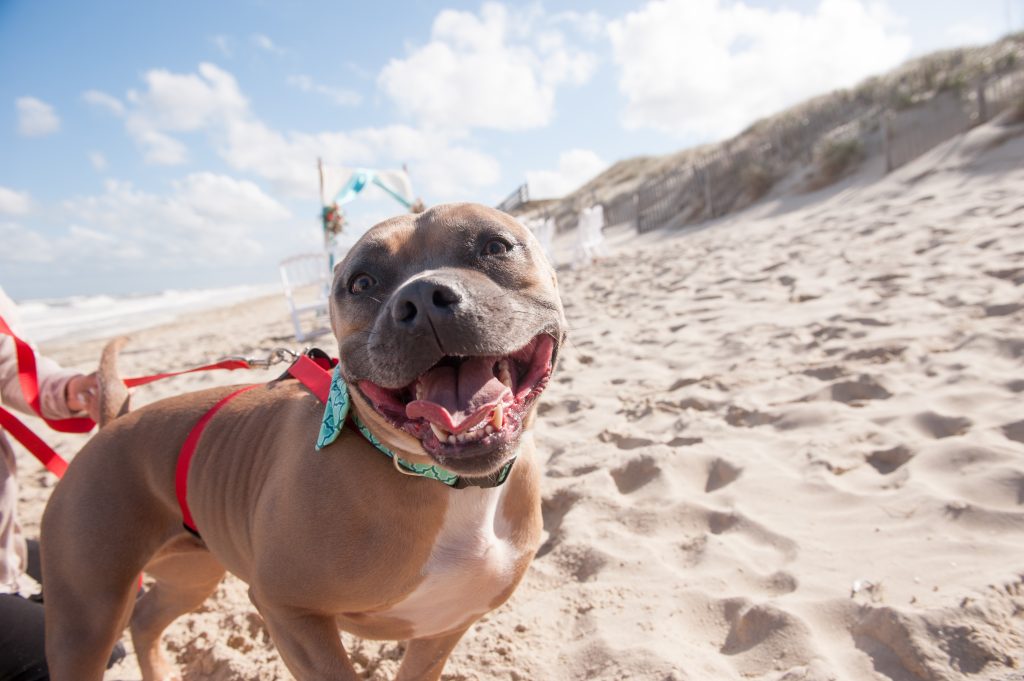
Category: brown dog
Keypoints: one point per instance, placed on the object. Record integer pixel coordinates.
(448, 324)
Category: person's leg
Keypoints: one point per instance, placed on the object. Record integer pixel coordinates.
(22, 648)
(32, 567)
(22, 655)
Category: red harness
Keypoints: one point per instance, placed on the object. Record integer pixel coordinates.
(313, 372)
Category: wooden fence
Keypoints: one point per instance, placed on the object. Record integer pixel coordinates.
(739, 171)
(725, 180)
(910, 133)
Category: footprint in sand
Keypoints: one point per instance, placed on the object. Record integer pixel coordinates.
(1013, 274)
(1003, 310)
(553, 510)
(854, 392)
(764, 626)
(566, 407)
(886, 461)
(745, 418)
(741, 527)
(895, 642)
(624, 441)
(826, 373)
(720, 474)
(684, 441)
(635, 474)
(1014, 431)
(879, 355)
(939, 426)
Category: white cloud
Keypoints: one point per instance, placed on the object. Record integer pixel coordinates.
(185, 102)
(339, 96)
(264, 43)
(36, 118)
(710, 67)
(492, 70)
(575, 168)
(211, 102)
(104, 101)
(98, 160)
(441, 166)
(176, 102)
(206, 218)
(159, 149)
(225, 199)
(13, 202)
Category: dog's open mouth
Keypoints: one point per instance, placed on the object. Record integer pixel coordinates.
(463, 406)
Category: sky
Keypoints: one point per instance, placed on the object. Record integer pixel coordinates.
(173, 145)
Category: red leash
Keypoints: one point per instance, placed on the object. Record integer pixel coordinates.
(229, 364)
(42, 451)
(29, 380)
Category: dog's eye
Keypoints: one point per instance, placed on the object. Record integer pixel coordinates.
(497, 246)
(360, 283)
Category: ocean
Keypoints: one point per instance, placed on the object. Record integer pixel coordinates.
(85, 317)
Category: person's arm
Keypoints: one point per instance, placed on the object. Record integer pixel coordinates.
(62, 392)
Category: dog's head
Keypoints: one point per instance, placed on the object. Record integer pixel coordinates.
(448, 326)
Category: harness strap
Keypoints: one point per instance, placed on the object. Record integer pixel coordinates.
(313, 376)
(189, 449)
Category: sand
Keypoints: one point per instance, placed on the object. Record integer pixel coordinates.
(788, 445)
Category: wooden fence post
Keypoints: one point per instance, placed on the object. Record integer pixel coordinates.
(709, 201)
(887, 140)
(982, 105)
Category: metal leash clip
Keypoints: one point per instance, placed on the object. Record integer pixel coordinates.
(276, 356)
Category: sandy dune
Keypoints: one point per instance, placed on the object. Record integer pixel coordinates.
(789, 445)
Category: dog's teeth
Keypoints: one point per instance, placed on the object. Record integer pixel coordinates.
(498, 417)
(419, 391)
(440, 433)
(504, 375)
(489, 430)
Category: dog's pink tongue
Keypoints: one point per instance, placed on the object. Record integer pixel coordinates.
(456, 399)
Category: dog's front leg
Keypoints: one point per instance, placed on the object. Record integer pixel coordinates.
(309, 643)
(424, 658)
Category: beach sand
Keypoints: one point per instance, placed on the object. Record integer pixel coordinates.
(786, 446)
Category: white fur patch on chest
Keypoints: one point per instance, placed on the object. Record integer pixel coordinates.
(473, 561)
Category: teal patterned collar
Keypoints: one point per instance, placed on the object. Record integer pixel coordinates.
(336, 413)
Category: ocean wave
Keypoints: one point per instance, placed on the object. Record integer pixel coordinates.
(86, 317)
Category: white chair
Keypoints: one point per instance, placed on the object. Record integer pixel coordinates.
(307, 283)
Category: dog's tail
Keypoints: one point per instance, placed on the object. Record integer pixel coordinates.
(113, 393)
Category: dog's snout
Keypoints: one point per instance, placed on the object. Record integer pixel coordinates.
(417, 301)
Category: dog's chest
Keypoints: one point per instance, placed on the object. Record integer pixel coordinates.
(473, 562)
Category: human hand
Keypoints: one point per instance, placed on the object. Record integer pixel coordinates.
(82, 394)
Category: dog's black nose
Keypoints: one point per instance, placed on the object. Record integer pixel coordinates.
(422, 299)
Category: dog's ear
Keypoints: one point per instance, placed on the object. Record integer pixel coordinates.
(113, 393)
